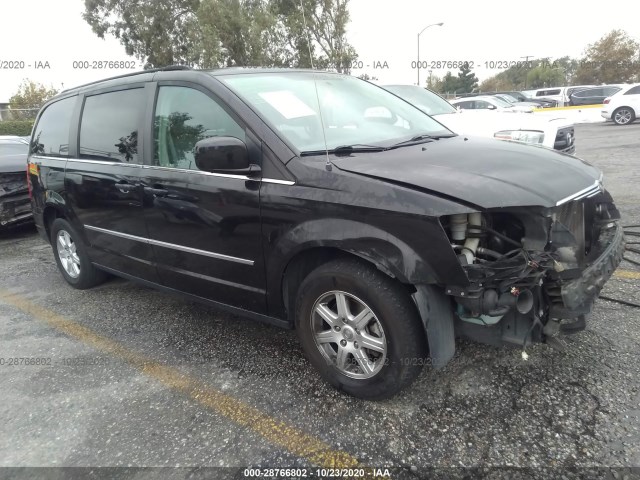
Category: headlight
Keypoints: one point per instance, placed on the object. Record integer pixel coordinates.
(525, 136)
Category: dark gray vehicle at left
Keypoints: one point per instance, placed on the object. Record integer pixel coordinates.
(15, 206)
(322, 202)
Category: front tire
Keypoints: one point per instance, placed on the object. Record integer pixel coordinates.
(71, 257)
(360, 329)
(623, 116)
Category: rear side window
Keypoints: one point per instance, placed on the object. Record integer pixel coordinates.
(109, 126)
(634, 91)
(544, 93)
(51, 135)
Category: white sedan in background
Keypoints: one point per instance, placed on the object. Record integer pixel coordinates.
(624, 106)
(551, 132)
(489, 102)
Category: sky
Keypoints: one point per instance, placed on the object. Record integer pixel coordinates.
(383, 32)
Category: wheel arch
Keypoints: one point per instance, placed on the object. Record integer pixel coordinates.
(49, 214)
(308, 245)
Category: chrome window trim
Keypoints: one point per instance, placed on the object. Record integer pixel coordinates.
(278, 182)
(105, 162)
(585, 192)
(182, 248)
(41, 157)
(199, 172)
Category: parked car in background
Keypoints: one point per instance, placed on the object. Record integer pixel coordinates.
(623, 107)
(15, 206)
(520, 97)
(488, 102)
(592, 95)
(514, 97)
(558, 94)
(513, 101)
(554, 133)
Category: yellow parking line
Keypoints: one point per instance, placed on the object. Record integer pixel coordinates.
(627, 274)
(571, 107)
(274, 431)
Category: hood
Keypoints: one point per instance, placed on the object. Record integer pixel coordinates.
(487, 173)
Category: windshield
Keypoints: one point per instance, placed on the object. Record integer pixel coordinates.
(500, 102)
(422, 98)
(353, 112)
(508, 98)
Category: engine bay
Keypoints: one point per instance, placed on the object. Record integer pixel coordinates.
(523, 265)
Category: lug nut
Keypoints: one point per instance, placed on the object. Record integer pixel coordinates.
(355, 344)
(343, 343)
(336, 328)
(357, 332)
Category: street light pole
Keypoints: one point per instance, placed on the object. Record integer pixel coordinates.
(418, 65)
(526, 59)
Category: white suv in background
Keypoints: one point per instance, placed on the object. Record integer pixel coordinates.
(555, 133)
(624, 106)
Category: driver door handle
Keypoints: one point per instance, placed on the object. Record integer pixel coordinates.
(125, 187)
(157, 192)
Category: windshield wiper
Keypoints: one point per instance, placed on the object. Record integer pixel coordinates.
(347, 149)
(423, 136)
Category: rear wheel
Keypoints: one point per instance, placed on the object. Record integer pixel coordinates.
(360, 329)
(71, 257)
(623, 116)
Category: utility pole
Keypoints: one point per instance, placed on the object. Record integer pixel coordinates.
(526, 59)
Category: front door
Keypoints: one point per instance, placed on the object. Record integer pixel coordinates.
(204, 227)
(104, 185)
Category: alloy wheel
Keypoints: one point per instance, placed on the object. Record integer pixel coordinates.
(348, 334)
(67, 253)
(622, 117)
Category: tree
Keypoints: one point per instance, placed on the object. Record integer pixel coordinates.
(539, 73)
(30, 96)
(159, 33)
(434, 82)
(612, 59)
(240, 33)
(216, 33)
(367, 77)
(449, 84)
(317, 28)
(467, 80)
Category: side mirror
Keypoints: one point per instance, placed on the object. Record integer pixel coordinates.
(223, 155)
(491, 107)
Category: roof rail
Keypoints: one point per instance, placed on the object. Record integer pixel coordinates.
(168, 68)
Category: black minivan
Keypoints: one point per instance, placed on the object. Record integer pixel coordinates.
(321, 202)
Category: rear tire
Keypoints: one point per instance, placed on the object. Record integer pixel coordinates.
(623, 116)
(71, 256)
(360, 329)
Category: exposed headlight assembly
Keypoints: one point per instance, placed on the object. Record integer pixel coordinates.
(524, 136)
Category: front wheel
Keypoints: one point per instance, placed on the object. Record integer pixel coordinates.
(360, 329)
(71, 257)
(623, 116)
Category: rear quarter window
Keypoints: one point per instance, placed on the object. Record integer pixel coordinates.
(109, 126)
(634, 91)
(51, 133)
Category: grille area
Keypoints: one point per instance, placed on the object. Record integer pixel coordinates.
(565, 140)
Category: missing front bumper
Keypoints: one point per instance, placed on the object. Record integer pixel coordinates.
(578, 294)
